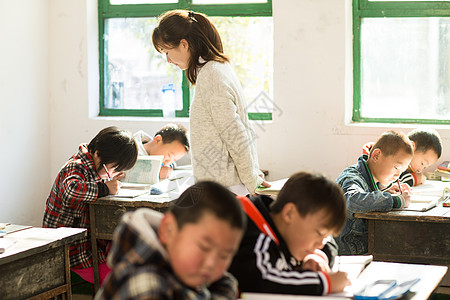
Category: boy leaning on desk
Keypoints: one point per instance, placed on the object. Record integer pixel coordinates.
(427, 145)
(372, 185)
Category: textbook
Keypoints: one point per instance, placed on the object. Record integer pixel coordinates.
(428, 195)
(274, 189)
(145, 171)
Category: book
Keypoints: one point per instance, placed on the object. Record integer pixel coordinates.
(428, 195)
(274, 189)
(145, 171)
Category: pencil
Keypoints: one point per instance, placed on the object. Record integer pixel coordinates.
(412, 170)
(109, 176)
(398, 182)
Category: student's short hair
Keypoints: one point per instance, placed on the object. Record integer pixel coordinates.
(174, 132)
(311, 193)
(116, 146)
(392, 142)
(208, 197)
(426, 139)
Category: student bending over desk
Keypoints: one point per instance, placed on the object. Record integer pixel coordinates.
(371, 185)
(279, 252)
(170, 141)
(427, 147)
(93, 172)
(182, 254)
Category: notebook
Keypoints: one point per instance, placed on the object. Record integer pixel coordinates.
(428, 195)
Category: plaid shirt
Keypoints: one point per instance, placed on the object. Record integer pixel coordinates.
(68, 205)
(141, 269)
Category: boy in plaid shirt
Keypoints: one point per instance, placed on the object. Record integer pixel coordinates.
(182, 254)
(93, 172)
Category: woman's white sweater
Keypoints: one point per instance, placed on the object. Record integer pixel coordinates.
(223, 142)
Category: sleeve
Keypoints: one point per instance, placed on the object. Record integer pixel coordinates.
(331, 250)
(263, 269)
(74, 188)
(225, 288)
(408, 178)
(361, 201)
(238, 139)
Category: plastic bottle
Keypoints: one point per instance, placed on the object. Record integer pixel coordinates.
(168, 100)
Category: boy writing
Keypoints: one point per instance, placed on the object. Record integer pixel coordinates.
(93, 172)
(170, 141)
(368, 186)
(427, 147)
(280, 251)
(182, 254)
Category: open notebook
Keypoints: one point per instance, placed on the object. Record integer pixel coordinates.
(428, 195)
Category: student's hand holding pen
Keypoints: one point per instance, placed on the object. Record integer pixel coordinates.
(339, 280)
(114, 184)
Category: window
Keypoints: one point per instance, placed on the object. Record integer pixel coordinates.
(401, 61)
(136, 80)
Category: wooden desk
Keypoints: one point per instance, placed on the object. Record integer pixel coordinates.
(37, 266)
(106, 212)
(411, 237)
(430, 277)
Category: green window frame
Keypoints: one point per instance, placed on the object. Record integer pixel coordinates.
(388, 9)
(107, 10)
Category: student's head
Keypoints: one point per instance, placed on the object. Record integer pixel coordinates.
(427, 148)
(202, 232)
(185, 36)
(308, 209)
(115, 148)
(170, 141)
(390, 156)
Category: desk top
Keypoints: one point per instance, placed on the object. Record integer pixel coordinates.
(172, 188)
(437, 214)
(35, 240)
(430, 277)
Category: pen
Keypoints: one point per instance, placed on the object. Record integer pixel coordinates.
(109, 176)
(398, 182)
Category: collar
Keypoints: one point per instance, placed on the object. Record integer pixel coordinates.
(363, 160)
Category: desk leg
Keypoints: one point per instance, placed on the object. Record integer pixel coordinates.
(94, 249)
(67, 268)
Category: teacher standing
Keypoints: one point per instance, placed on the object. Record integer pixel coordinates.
(223, 142)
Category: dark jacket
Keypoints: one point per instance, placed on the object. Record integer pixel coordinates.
(263, 266)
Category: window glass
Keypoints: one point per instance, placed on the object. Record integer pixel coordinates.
(405, 70)
(138, 76)
(250, 50)
(114, 2)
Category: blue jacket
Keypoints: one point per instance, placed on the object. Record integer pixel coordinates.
(363, 195)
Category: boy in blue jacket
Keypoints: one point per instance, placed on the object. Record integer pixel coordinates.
(372, 185)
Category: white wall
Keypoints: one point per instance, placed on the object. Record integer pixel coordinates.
(24, 126)
(309, 132)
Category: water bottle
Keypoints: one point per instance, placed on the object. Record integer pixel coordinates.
(168, 100)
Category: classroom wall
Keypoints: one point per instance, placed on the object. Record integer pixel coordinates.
(24, 113)
(312, 62)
